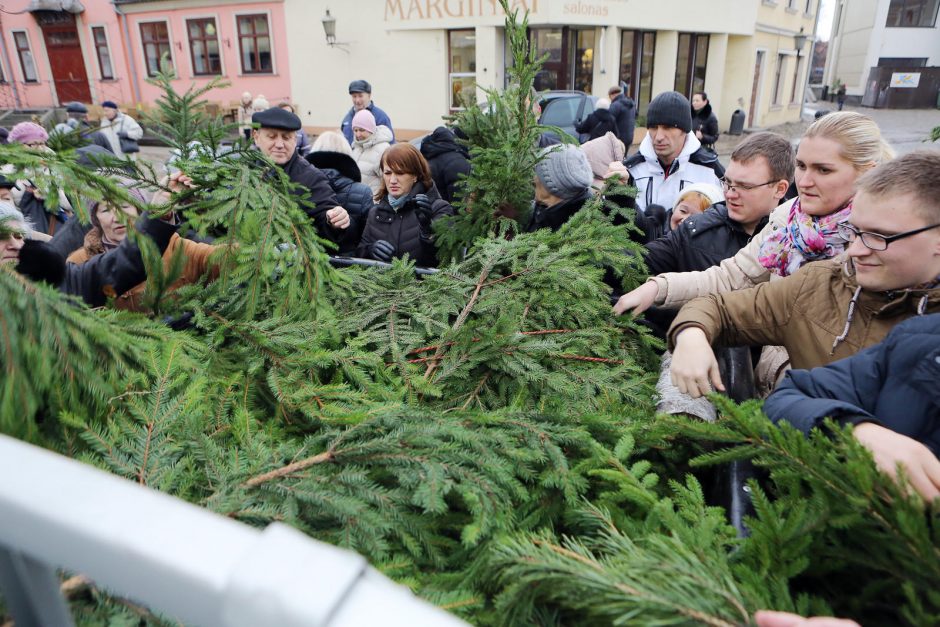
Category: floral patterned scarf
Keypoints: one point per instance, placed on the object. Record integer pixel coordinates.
(805, 238)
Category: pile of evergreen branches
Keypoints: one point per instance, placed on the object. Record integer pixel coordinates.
(485, 435)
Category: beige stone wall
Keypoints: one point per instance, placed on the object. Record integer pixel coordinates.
(401, 47)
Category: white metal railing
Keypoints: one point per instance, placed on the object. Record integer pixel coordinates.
(176, 558)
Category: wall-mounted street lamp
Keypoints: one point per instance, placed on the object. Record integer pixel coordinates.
(329, 28)
(799, 40)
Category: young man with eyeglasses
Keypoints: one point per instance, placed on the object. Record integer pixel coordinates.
(831, 309)
(758, 175)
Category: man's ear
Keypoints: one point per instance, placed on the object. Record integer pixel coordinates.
(780, 188)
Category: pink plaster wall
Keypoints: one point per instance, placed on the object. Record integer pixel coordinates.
(275, 86)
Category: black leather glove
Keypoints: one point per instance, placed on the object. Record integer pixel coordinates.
(40, 262)
(423, 212)
(382, 250)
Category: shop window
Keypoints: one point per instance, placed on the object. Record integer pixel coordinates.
(102, 52)
(691, 63)
(155, 37)
(636, 65)
(25, 54)
(254, 41)
(902, 62)
(570, 60)
(582, 43)
(204, 47)
(912, 13)
(462, 58)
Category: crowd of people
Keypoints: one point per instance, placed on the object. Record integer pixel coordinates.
(824, 259)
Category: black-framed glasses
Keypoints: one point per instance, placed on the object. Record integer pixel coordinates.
(877, 241)
(741, 187)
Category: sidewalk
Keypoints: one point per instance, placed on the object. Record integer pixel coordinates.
(904, 129)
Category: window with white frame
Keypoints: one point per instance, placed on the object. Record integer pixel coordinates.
(795, 92)
(155, 38)
(204, 46)
(254, 44)
(779, 78)
(25, 54)
(462, 67)
(102, 52)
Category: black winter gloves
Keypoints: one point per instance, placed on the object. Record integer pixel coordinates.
(423, 213)
(41, 262)
(382, 250)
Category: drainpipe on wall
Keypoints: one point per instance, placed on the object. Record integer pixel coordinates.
(126, 40)
(6, 62)
(810, 57)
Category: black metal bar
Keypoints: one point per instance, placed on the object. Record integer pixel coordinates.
(31, 590)
(346, 262)
(737, 374)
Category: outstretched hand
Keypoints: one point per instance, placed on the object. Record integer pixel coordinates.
(694, 367)
(892, 450)
(638, 300)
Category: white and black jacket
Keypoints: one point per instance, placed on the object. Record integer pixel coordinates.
(654, 187)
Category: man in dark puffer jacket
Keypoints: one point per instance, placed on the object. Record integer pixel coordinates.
(447, 159)
(888, 391)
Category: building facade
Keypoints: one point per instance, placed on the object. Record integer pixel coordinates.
(423, 57)
(886, 52)
(56, 51)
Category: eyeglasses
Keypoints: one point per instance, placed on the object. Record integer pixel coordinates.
(876, 241)
(741, 187)
(35, 144)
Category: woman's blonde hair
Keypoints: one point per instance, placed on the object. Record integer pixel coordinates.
(331, 141)
(859, 138)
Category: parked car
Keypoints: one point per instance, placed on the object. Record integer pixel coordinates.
(565, 108)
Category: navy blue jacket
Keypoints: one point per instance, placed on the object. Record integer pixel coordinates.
(895, 384)
(381, 119)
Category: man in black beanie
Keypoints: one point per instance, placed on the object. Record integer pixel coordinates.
(670, 157)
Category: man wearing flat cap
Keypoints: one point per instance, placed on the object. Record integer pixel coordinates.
(275, 134)
(361, 93)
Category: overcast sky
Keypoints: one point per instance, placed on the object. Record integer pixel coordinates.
(826, 10)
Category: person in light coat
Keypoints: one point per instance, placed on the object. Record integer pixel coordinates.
(370, 143)
(116, 125)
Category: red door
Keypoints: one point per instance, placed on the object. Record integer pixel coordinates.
(67, 63)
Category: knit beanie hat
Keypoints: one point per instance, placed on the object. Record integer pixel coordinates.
(600, 152)
(364, 120)
(670, 108)
(564, 171)
(109, 104)
(709, 191)
(26, 133)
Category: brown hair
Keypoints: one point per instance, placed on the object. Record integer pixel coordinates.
(404, 159)
(916, 173)
(774, 148)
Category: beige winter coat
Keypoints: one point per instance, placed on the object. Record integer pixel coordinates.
(741, 271)
(368, 155)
